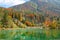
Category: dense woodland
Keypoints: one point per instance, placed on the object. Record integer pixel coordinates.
(10, 18)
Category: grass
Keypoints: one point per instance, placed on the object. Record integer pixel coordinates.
(30, 34)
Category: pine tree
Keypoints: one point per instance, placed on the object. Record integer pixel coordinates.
(5, 20)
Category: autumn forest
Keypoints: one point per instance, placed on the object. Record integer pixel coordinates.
(10, 18)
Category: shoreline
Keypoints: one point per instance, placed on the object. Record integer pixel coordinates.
(25, 28)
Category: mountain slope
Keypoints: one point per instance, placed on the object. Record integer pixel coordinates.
(45, 6)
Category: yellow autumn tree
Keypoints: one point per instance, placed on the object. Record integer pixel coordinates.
(54, 24)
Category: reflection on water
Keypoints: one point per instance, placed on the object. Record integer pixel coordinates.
(30, 34)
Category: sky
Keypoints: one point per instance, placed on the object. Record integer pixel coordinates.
(9, 3)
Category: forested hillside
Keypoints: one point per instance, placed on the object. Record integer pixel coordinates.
(10, 18)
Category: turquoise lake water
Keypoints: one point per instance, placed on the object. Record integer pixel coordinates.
(30, 34)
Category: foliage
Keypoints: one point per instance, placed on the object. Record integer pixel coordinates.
(8, 17)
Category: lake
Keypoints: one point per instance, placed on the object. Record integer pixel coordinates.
(30, 34)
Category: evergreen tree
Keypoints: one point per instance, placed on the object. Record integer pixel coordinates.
(5, 20)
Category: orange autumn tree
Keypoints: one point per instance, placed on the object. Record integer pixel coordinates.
(28, 23)
(31, 15)
(47, 23)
